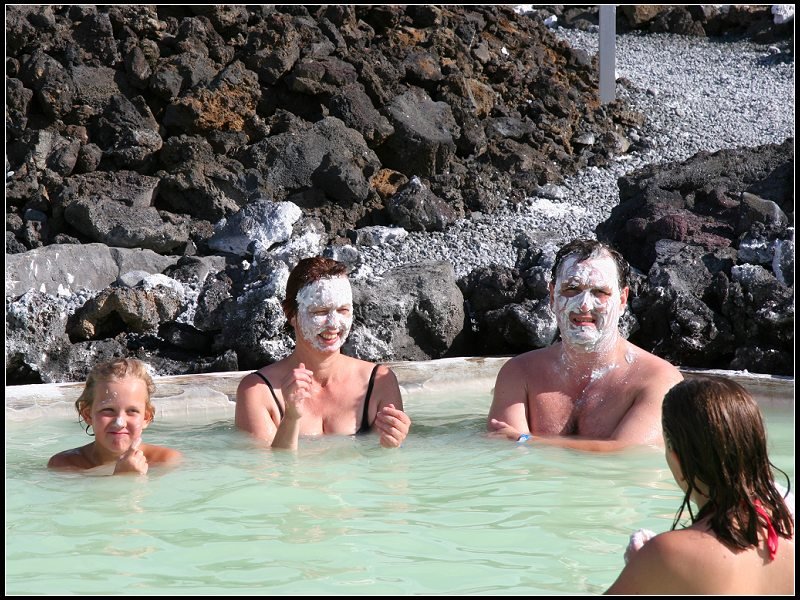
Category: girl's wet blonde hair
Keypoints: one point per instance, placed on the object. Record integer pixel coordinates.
(114, 370)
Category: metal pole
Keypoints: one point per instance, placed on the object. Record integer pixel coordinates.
(608, 40)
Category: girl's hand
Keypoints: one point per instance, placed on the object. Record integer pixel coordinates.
(638, 539)
(132, 460)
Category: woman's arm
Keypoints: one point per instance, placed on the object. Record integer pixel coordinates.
(251, 414)
(391, 422)
(296, 388)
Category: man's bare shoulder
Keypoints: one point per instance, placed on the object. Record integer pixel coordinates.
(523, 371)
(655, 365)
(538, 357)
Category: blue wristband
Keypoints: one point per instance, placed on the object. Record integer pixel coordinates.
(524, 438)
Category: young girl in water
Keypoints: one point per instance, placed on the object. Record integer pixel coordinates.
(317, 390)
(115, 403)
(741, 539)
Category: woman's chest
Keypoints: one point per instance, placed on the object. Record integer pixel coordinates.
(332, 414)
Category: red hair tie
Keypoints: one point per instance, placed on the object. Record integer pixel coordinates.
(772, 536)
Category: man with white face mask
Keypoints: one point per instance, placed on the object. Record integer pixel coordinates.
(593, 390)
(318, 390)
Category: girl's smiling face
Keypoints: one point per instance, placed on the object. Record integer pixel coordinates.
(118, 415)
(588, 302)
(325, 313)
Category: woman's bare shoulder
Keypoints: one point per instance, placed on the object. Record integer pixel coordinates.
(354, 362)
(273, 372)
(363, 368)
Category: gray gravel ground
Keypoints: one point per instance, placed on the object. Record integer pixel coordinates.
(696, 93)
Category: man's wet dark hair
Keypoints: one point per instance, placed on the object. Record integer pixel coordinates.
(584, 248)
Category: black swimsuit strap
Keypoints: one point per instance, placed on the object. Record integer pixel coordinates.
(271, 389)
(365, 425)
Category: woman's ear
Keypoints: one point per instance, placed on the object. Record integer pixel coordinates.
(86, 414)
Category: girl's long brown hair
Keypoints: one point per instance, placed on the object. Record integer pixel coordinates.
(716, 429)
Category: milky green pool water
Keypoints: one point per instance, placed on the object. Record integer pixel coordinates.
(450, 513)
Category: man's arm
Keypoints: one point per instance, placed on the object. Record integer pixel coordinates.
(504, 430)
(578, 443)
(510, 399)
(642, 423)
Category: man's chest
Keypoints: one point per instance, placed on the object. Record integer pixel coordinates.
(593, 411)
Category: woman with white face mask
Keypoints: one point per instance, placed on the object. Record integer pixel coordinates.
(317, 390)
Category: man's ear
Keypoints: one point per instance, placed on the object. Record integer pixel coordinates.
(552, 288)
(623, 296)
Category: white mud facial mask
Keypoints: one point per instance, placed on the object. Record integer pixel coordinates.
(325, 312)
(587, 301)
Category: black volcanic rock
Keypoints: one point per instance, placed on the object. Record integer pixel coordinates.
(151, 129)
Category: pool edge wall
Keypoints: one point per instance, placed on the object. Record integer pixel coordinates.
(211, 396)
